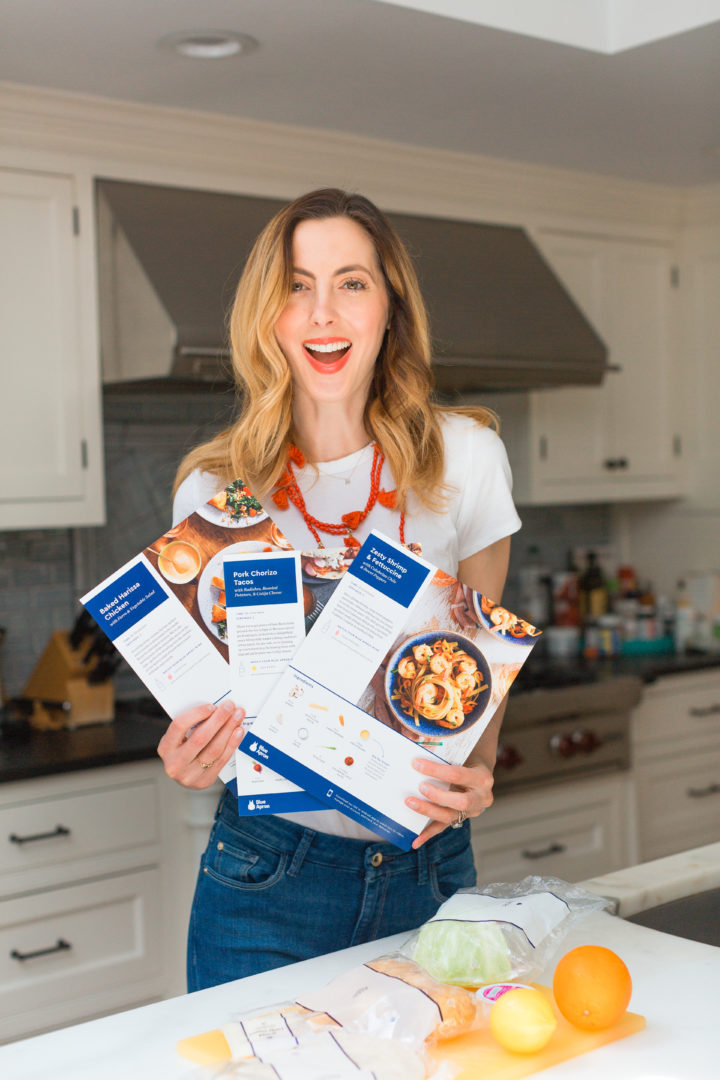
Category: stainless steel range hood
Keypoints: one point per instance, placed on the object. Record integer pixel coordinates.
(170, 259)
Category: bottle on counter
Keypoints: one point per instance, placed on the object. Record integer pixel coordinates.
(665, 615)
(684, 623)
(647, 624)
(534, 589)
(565, 598)
(627, 581)
(606, 634)
(593, 591)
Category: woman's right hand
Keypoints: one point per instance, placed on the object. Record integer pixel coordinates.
(199, 743)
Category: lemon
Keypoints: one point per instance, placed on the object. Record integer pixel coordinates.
(522, 1020)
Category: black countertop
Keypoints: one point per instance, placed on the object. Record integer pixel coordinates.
(541, 672)
(132, 736)
(139, 725)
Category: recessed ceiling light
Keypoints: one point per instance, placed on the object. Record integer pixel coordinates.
(209, 44)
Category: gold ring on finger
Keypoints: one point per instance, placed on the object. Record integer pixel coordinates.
(206, 764)
(462, 816)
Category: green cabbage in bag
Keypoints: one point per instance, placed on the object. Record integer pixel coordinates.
(499, 932)
(464, 954)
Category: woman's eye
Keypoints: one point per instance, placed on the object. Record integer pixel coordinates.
(354, 285)
(297, 286)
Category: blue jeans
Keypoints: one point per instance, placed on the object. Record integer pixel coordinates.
(271, 892)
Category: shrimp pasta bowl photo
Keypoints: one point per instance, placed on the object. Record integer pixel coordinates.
(438, 684)
(502, 623)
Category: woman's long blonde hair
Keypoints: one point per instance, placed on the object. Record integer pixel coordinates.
(399, 413)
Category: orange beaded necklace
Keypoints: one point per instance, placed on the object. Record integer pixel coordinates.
(288, 490)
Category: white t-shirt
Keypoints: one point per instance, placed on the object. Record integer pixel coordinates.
(479, 510)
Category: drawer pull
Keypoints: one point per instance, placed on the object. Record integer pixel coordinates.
(551, 849)
(700, 793)
(59, 830)
(709, 710)
(60, 946)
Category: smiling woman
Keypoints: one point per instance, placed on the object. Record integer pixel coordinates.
(337, 314)
(338, 434)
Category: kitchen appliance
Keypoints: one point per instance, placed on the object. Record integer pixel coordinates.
(551, 734)
(170, 258)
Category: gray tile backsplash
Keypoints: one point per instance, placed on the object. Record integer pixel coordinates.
(36, 597)
(42, 572)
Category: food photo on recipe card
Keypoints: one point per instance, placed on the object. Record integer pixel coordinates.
(167, 614)
(402, 661)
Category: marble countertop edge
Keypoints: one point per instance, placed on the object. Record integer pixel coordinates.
(659, 881)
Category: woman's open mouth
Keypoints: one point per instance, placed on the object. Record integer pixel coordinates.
(327, 355)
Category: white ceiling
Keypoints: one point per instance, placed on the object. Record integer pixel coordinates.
(606, 26)
(384, 69)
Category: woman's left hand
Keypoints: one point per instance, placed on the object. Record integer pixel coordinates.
(471, 793)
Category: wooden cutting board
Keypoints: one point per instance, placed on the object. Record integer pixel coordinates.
(479, 1056)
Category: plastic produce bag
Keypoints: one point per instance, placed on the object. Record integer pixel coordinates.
(499, 932)
(328, 1053)
(255, 1036)
(375, 1022)
(333, 1055)
(393, 997)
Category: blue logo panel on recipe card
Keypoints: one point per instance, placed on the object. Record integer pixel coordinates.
(389, 570)
(253, 582)
(130, 597)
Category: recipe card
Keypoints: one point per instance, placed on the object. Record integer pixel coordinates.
(263, 598)
(168, 612)
(402, 661)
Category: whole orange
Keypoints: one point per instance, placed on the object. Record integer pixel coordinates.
(592, 987)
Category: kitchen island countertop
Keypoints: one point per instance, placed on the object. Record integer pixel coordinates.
(676, 986)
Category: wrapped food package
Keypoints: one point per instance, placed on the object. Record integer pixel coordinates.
(393, 997)
(500, 931)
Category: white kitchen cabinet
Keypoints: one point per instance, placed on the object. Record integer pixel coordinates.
(571, 830)
(50, 417)
(621, 440)
(678, 803)
(92, 905)
(676, 745)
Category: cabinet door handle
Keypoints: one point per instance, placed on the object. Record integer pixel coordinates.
(60, 946)
(59, 830)
(700, 711)
(700, 793)
(551, 849)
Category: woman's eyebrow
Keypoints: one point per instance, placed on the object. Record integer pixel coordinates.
(350, 269)
(337, 273)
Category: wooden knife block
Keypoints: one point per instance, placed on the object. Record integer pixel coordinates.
(61, 675)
